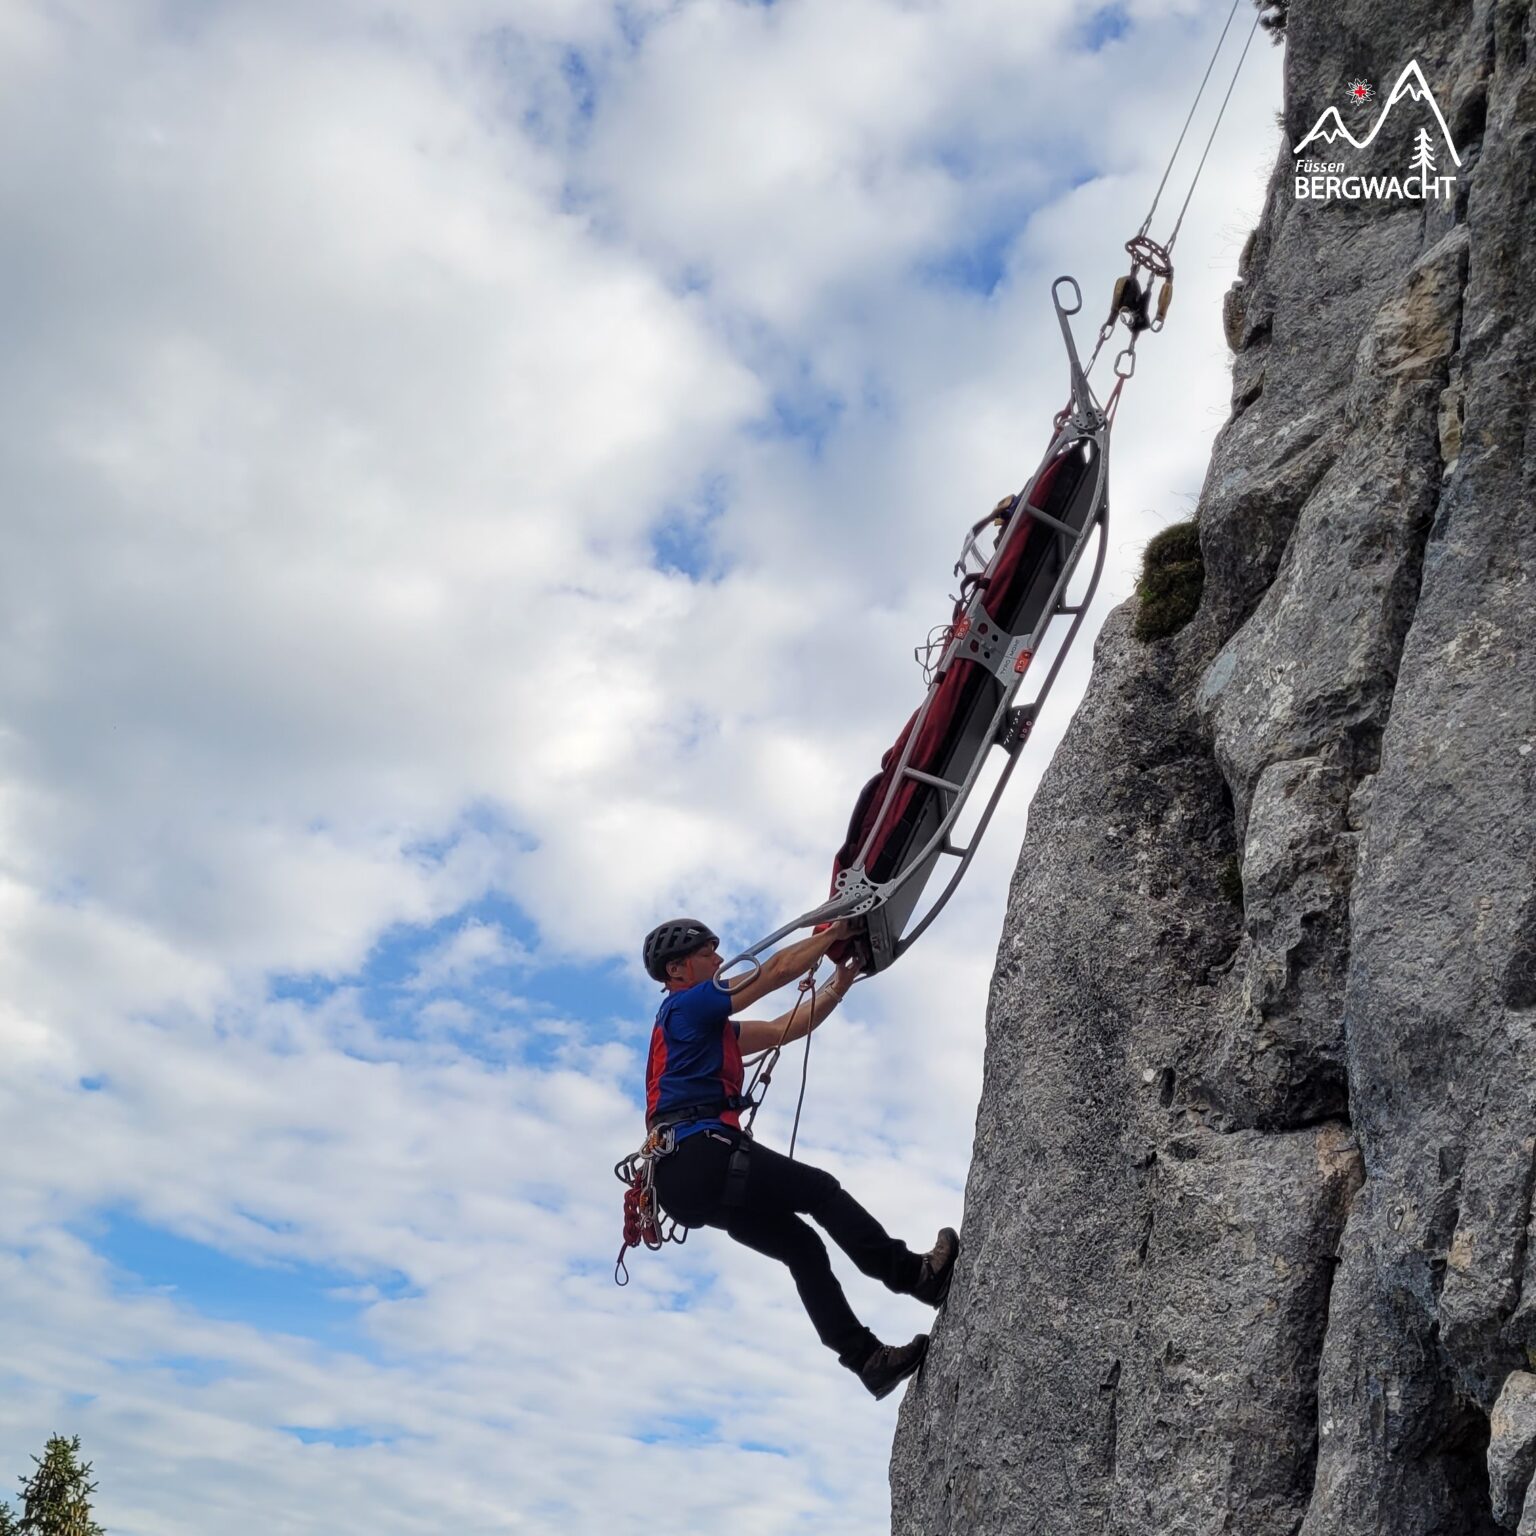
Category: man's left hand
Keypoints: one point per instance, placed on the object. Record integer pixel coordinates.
(845, 975)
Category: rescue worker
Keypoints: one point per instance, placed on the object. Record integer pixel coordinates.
(717, 1176)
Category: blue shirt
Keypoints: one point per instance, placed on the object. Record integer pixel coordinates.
(695, 1057)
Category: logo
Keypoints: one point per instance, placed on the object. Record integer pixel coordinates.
(1321, 180)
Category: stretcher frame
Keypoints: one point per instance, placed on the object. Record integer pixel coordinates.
(887, 906)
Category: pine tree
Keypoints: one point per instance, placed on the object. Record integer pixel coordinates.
(7, 1520)
(56, 1499)
(1423, 155)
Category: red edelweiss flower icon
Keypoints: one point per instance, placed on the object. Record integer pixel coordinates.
(1360, 91)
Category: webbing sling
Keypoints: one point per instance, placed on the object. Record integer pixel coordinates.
(734, 1195)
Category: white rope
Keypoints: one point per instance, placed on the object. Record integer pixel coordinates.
(1257, 17)
(1146, 223)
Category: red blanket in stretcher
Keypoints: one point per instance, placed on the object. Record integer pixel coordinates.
(956, 691)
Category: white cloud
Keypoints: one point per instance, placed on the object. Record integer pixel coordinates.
(472, 948)
(358, 357)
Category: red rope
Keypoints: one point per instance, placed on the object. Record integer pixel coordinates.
(642, 1218)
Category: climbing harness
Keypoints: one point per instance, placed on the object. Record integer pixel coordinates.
(1012, 624)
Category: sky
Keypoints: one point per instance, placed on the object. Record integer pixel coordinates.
(473, 473)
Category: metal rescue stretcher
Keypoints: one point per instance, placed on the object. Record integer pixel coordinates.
(1012, 604)
(1009, 610)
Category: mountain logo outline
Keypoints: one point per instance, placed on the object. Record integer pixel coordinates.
(1410, 83)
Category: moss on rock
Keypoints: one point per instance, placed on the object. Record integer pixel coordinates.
(1172, 578)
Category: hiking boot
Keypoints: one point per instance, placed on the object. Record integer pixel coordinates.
(891, 1364)
(938, 1268)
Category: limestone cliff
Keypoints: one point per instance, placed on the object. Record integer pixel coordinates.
(1247, 1221)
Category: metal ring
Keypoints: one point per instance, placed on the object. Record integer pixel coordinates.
(1149, 254)
(1056, 297)
(728, 986)
(1125, 373)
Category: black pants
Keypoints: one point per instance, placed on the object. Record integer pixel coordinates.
(691, 1185)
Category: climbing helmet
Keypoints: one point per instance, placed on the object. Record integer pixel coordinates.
(673, 940)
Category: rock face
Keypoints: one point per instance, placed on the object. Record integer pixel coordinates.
(1512, 1446)
(1247, 1227)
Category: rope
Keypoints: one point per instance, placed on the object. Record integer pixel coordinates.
(1113, 402)
(805, 1069)
(763, 1075)
(1146, 223)
(644, 1222)
(1258, 15)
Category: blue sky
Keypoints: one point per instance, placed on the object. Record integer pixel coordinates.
(302, 1300)
(475, 476)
